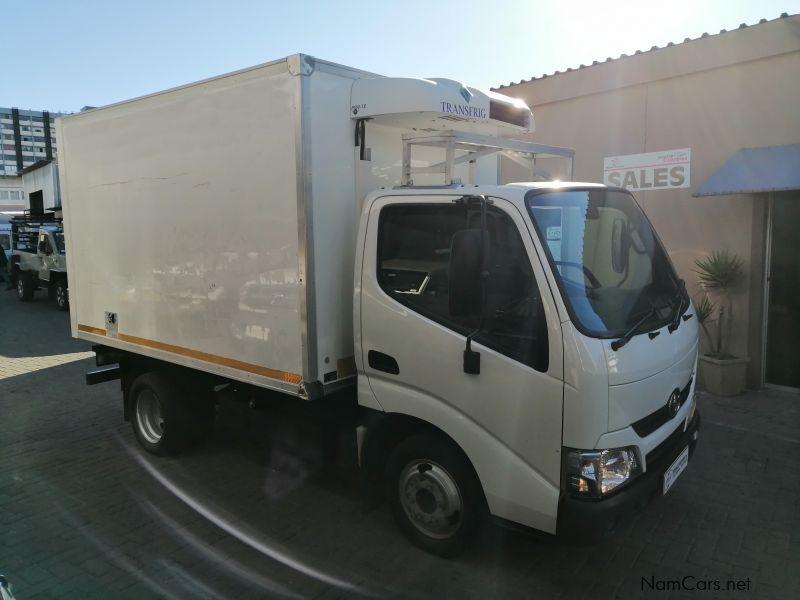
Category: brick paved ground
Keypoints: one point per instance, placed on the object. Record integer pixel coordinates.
(261, 513)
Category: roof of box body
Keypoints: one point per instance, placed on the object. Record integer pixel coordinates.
(747, 42)
(37, 165)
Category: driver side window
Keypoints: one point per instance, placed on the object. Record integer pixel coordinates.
(414, 243)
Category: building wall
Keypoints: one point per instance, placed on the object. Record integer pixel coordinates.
(713, 95)
(12, 195)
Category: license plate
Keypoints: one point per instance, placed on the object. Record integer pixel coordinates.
(675, 469)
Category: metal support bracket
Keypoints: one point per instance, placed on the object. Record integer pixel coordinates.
(468, 147)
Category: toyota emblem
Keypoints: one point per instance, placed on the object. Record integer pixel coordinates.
(674, 403)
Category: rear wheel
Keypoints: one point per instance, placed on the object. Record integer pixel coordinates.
(25, 287)
(62, 300)
(168, 415)
(436, 497)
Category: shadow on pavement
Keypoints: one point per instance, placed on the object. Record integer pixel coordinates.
(37, 328)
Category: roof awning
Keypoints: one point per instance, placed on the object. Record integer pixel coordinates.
(754, 170)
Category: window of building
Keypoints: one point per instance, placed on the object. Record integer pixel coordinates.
(413, 268)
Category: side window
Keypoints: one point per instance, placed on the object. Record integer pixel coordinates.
(44, 244)
(5, 241)
(414, 244)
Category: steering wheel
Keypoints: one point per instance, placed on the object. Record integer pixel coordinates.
(586, 272)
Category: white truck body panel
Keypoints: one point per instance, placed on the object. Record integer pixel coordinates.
(184, 247)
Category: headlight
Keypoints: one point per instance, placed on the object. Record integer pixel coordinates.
(594, 473)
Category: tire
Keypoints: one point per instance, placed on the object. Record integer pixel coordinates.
(25, 287)
(62, 299)
(168, 415)
(435, 495)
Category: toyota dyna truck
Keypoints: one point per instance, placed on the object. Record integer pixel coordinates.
(521, 350)
(38, 258)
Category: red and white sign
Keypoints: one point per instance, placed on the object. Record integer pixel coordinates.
(650, 171)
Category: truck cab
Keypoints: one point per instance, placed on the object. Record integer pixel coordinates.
(40, 260)
(540, 332)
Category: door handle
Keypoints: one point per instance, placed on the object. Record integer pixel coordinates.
(382, 362)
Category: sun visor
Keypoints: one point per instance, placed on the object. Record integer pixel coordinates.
(438, 104)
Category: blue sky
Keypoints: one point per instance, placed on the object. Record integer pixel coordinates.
(94, 52)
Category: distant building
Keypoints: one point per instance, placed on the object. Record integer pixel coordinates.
(26, 137)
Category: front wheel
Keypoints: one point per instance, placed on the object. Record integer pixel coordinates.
(62, 300)
(435, 496)
(25, 287)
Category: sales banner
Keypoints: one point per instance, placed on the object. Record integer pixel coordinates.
(650, 171)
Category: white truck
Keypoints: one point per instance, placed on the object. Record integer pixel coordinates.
(38, 258)
(524, 351)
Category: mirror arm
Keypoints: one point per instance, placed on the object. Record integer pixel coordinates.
(472, 359)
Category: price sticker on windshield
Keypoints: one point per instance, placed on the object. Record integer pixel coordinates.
(554, 233)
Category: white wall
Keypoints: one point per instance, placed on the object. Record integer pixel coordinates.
(46, 179)
(12, 198)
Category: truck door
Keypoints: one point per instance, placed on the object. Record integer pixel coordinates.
(45, 253)
(507, 418)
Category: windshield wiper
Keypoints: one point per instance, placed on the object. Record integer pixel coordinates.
(682, 296)
(617, 344)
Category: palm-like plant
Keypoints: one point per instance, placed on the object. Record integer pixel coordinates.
(718, 273)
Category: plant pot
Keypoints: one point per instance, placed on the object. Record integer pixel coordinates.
(723, 377)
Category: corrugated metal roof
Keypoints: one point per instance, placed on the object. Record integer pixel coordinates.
(754, 170)
(622, 56)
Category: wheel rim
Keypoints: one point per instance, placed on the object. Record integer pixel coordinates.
(149, 420)
(431, 499)
(61, 295)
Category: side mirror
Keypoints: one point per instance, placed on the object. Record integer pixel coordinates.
(466, 268)
(620, 246)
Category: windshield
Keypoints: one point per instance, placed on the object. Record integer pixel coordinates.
(609, 263)
(59, 237)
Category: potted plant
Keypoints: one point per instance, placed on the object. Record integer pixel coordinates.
(718, 274)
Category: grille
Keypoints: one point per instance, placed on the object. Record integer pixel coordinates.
(647, 425)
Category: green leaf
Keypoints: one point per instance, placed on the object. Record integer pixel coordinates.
(720, 270)
(704, 309)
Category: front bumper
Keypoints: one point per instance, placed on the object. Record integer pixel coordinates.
(591, 519)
